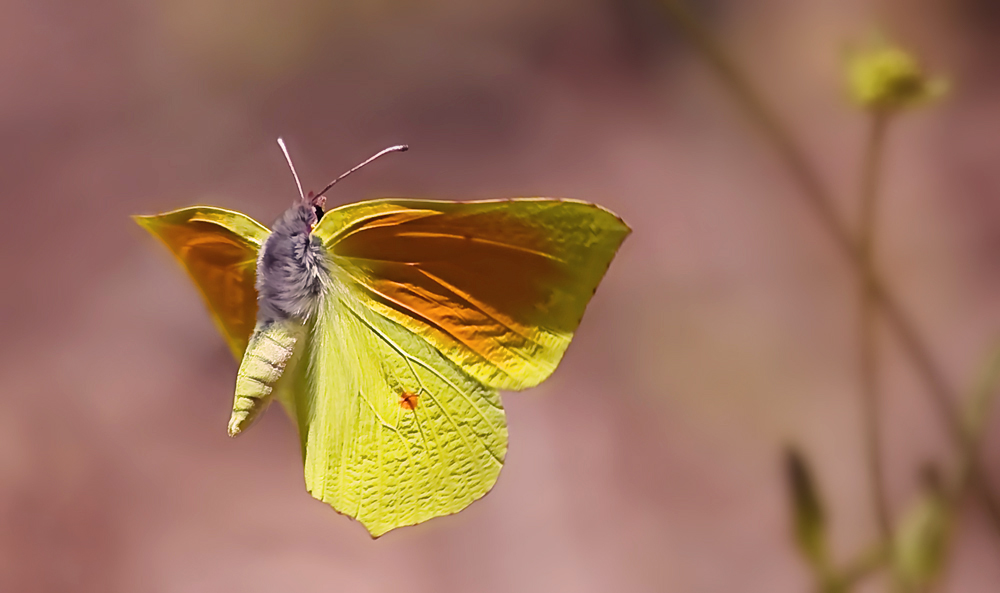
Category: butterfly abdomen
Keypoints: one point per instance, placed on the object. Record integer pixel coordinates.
(292, 272)
(271, 346)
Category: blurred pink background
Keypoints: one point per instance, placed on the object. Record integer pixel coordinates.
(725, 328)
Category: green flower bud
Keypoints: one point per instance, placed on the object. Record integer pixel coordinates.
(887, 78)
(808, 513)
(923, 536)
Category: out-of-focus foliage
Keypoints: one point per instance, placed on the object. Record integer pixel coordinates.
(808, 513)
(984, 393)
(921, 542)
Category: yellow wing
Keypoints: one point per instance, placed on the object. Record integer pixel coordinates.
(218, 248)
(497, 286)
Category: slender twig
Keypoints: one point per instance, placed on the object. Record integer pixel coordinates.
(984, 393)
(869, 348)
(870, 561)
(820, 199)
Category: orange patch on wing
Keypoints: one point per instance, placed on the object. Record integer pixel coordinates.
(492, 266)
(408, 400)
(498, 287)
(223, 265)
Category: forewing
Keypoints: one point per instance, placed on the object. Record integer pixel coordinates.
(393, 433)
(218, 248)
(497, 286)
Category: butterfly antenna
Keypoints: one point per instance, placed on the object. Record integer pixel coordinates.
(284, 149)
(397, 148)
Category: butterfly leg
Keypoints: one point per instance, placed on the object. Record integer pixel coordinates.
(271, 346)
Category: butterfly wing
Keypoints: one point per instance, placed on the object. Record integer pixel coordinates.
(434, 306)
(218, 248)
(497, 286)
(393, 433)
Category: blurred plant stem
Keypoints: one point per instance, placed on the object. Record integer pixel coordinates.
(980, 402)
(984, 393)
(872, 167)
(869, 562)
(820, 199)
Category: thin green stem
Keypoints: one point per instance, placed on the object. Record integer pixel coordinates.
(869, 562)
(981, 400)
(814, 191)
(868, 340)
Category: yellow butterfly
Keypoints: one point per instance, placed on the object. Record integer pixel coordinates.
(386, 327)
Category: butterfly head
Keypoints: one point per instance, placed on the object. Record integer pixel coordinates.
(314, 201)
(315, 204)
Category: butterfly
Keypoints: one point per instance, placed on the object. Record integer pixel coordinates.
(386, 328)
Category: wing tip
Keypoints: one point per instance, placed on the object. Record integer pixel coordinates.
(146, 221)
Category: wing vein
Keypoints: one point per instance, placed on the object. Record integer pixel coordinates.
(480, 240)
(478, 306)
(446, 381)
(429, 322)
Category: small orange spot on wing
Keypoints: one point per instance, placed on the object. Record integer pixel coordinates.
(408, 400)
